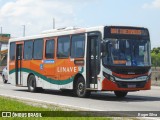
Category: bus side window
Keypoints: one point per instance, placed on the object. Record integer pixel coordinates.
(28, 48)
(77, 46)
(49, 53)
(12, 51)
(38, 49)
(63, 47)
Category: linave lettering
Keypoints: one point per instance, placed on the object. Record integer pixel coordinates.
(66, 69)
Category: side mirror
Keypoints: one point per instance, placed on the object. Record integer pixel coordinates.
(104, 48)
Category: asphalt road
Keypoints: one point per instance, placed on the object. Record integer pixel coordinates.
(102, 101)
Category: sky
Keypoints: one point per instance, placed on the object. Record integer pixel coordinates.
(37, 15)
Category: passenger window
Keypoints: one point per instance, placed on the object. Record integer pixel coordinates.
(38, 49)
(49, 49)
(12, 51)
(63, 47)
(28, 48)
(77, 46)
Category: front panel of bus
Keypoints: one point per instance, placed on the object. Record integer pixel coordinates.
(126, 62)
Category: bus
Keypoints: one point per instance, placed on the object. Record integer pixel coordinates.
(84, 60)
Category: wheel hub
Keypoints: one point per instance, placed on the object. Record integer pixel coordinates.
(80, 87)
(32, 84)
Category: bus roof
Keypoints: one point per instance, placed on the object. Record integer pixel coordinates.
(66, 31)
(58, 32)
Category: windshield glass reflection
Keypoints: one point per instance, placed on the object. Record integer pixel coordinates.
(127, 52)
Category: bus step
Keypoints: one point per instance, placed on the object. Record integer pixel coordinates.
(93, 89)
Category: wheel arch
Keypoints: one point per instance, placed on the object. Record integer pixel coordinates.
(76, 78)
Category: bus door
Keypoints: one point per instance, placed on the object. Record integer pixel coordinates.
(18, 64)
(93, 59)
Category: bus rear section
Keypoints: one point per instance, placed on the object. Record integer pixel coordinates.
(56, 61)
(126, 61)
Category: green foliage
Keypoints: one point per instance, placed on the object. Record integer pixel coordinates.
(9, 104)
(155, 50)
(155, 57)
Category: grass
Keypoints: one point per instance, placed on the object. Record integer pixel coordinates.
(9, 104)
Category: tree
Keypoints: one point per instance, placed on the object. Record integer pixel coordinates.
(155, 50)
(155, 56)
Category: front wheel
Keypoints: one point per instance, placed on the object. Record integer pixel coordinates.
(120, 94)
(80, 88)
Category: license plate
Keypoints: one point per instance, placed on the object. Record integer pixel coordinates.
(132, 86)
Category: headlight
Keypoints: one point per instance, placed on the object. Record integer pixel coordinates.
(112, 78)
(149, 77)
(106, 75)
(109, 77)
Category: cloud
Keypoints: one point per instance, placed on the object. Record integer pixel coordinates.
(37, 15)
(153, 4)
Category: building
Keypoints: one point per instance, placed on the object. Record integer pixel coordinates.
(4, 38)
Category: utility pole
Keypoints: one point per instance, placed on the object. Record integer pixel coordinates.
(0, 45)
(1, 38)
(1, 30)
(24, 30)
(53, 23)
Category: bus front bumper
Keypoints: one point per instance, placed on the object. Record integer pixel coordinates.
(108, 85)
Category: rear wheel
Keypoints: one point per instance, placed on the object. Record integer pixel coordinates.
(80, 88)
(32, 84)
(120, 94)
(4, 80)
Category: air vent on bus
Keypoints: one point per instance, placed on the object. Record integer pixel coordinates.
(59, 30)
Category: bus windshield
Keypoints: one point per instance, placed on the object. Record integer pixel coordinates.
(127, 52)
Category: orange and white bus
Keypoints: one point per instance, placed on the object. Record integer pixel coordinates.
(104, 58)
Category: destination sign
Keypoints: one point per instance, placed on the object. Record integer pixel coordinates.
(127, 31)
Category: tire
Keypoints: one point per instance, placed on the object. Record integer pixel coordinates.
(32, 84)
(80, 88)
(120, 94)
(4, 80)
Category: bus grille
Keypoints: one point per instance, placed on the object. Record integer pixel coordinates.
(131, 84)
